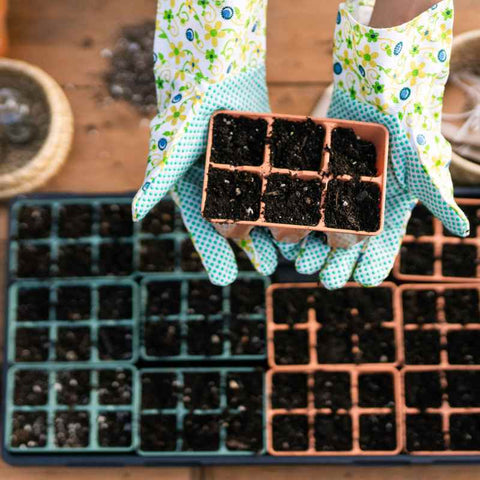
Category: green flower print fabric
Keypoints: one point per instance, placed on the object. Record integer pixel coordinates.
(208, 55)
(396, 77)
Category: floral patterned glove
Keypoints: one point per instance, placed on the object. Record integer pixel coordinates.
(396, 77)
(209, 55)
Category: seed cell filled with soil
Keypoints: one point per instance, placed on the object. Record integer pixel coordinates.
(34, 222)
(72, 429)
(296, 145)
(238, 141)
(163, 298)
(31, 387)
(190, 260)
(334, 346)
(32, 344)
(244, 432)
(332, 390)
(74, 260)
(465, 432)
(352, 205)
(462, 306)
(245, 390)
(114, 387)
(75, 221)
(464, 347)
(376, 345)
(116, 259)
(291, 305)
(351, 155)
(159, 390)
(291, 347)
(289, 390)
(423, 390)
(73, 387)
(114, 429)
(333, 432)
(419, 306)
(421, 222)
(160, 219)
(424, 432)
(422, 347)
(378, 432)
(201, 433)
(115, 343)
(73, 303)
(205, 337)
(157, 256)
(73, 344)
(247, 337)
(158, 433)
(116, 220)
(204, 298)
(201, 391)
(290, 433)
(462, 388)
(33, 304)
(292, 200)
(115, 302)
(33, 260)
(162, 339)
(233, 195)
(29, 430)
(376, 390)
(459, 261)
(417, 259)
(247, 297)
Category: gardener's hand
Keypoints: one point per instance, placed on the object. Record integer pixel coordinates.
(208, 56)
(396, 77)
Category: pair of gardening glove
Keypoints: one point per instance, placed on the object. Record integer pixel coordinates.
(210, 55)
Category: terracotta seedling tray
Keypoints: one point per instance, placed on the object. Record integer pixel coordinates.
(306, 330)
(375, 133)
(431, 241)
(353, 413)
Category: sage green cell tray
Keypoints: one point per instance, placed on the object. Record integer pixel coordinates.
(73, 320)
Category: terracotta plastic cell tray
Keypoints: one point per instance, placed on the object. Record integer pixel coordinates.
(375, 133)
(332, 420)
(378, 337)
(430, 244)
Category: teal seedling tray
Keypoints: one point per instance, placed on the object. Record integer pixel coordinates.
(47, 413)
(194, 402)
(92, 319)
(188, 318)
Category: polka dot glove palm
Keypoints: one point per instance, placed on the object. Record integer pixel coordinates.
(396, 77)
(209, 55)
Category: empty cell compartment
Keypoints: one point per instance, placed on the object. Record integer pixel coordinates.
(159, 390)
(158, 433)
(33, 304)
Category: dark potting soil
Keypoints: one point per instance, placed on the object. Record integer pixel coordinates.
(375, 390)
(472, 215)
(72, 429)
(465, 432)
(247, 297)
(201, 390)
(114, 429)
(376, 345)
(333, 433)
(422, 347)
(25, 133)
(464, 347)
(31, 344)
(291, 305)
(33, 260)
(116, 220)
(247, 337)
(332, 390)
(334, 346)
(31, 387)
(419, 306)
(116, 259)
(423, 390)
(201, 433)
(159, 390)
(73, 303)
(417, 259)
(421, 222)
(75, 221)
(290, 433)
(34, 222)
(289, 390)
(378, 432)
(292, 200)
(291, 347)
(115, 302)
(74, 260)
(160, 219)
(73, 387)
(33, 304)
(205, 337)
(244, 432)
(114, 387)
(232, 195)
(73, 344)
(204, 298)
(459, 261)
(352, 205)
(243, 262)
(35, 435)
(131, 76)
(296, 145)
(462, 388)
(158, 433)
(238, 141)
(462, 306)
(190, 260)
(163, 298)
(351, 155)
(162, 339)
(424, 432)
(157, 256)
(245, 390)
(115, 343)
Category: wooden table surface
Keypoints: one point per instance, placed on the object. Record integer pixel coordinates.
(110, 148)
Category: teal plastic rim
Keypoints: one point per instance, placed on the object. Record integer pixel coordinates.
(180, 411)
(184, 317)
(94, 408)
(93, 323)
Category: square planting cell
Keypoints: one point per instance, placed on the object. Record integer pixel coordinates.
(431, 253)
(283, 166)
(205, 410)
(333, 411)
(313, 326)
